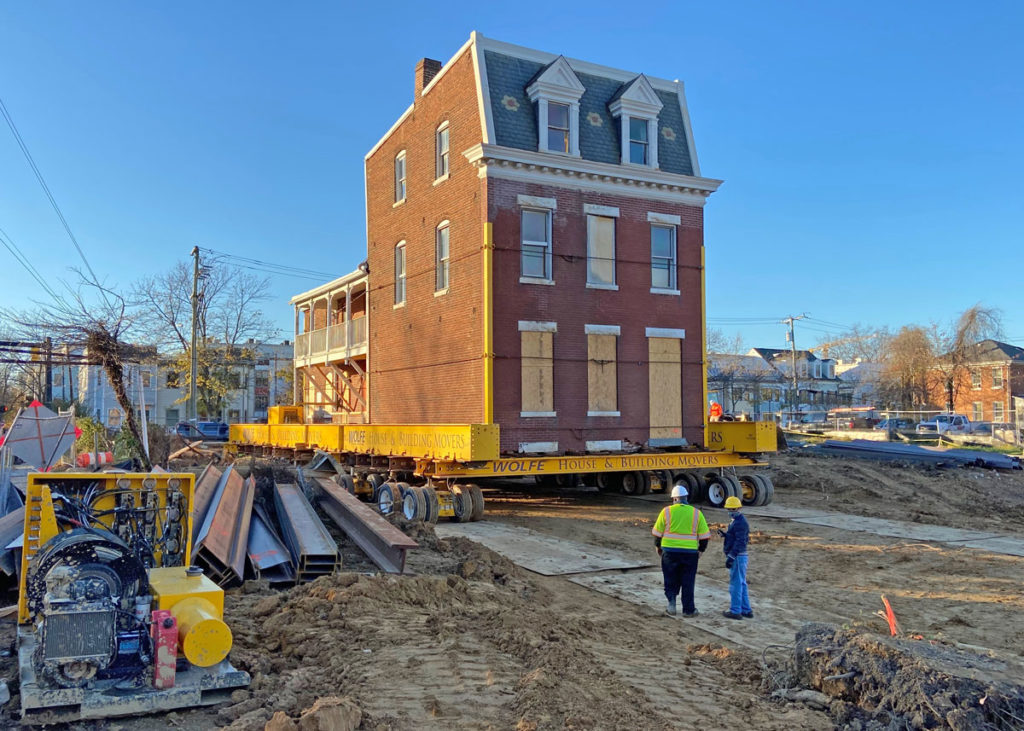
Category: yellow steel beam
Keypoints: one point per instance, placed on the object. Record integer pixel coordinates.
(488, 264)
(456, 442)
(518, 466)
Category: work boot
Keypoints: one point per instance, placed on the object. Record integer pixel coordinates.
(748, 615)
(694, 613)
(671, 609)
(732, 615)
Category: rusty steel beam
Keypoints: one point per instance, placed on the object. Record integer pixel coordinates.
(382, 542)
(221, 551)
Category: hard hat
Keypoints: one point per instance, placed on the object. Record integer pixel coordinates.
(679, 491)
(733, 503)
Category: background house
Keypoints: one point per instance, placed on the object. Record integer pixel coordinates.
(989, 386)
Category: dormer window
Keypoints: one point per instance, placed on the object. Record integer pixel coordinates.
(556, 91)
(636, 105)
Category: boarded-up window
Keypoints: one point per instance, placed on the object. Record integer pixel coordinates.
(600, 250)
(601, 377)
(537, 367)
(665, 388)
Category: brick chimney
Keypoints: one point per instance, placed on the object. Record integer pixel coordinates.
(426, 69)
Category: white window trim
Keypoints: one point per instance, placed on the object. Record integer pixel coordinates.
(604, 413)
(404, 179)
(438, 181)
(438, 175)
(615, 330)
(674, 270)
(546, 89)
(549, 263)
(660, 290)
(537, 327)
(536, 280)
(593, 209)
(626, 107)
(605, 445)
(441, 292)
(446, 224)
(537, 414)
(535, 201)
(665, 332)
(611, 287)
(664, 218)
(405, 271)
(538, 447)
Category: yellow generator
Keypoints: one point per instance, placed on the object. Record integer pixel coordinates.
(112, 619)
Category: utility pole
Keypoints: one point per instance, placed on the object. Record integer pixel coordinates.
(195, 321)
(48, 375)
(792, 344)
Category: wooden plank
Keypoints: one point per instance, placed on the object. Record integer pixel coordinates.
(537, 371)
(602, 386)
(665, 385)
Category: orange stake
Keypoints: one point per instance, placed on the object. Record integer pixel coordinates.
(890, 617)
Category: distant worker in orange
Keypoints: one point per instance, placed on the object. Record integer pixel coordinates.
(715, 412)
(680, 534)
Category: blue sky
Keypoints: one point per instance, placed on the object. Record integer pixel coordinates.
(871, 151)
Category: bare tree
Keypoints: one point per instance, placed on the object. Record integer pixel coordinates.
(229, 323)
(95, 316)
(954, 346)
(905, 368)
(859, 342)
(719, 342)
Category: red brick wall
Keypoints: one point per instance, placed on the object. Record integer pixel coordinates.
(426, 357)
(966, 394)
(572, 305)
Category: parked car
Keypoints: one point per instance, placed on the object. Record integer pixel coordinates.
(945, 424)
(1001, 430)
(895, 423)
(209, 430)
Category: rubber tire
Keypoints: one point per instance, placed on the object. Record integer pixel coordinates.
(750, 490)
(414, 502)
(374, 480)
(589, 479)
(645, 488)
(347, 483)
(545, 480)
(771, 489)
(718, 491)
(608, 481)
(632, 483)
(477, 497)
(433, 506)
(566, 480)
(762, 490)
(462, 504)
(667, 481)
(695, 487)
(735, 490)
(387, 498)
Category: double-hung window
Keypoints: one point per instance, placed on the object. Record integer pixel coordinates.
(663, 257)
(997, 411)
(441, 145)
(400, 177)
(400, 273)
(442, 258)
(975, 379)
(997, 376)
(558, 127)
(536, 243)
(601, 251)
(639, 151)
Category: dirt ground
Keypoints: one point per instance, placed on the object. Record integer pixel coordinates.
(468, 640)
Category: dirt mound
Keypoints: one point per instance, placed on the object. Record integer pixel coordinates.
(896, 683)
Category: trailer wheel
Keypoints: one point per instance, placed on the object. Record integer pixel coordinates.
(414, 502)
(645, 484)
(735, 489)
(770, 489)
(476, 496)
(589, 479)
(433, 506)
(545, 480)
(762, 497)
(608, 481)
(566, 480)
(632, 483)
(718, 491)
(695, 487)
(347, 483)
(374, 481)
(751, 491)
(462, 503)
(387, 495)
(666, 479)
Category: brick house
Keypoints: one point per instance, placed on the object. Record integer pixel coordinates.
(991, 385)
(577, 187)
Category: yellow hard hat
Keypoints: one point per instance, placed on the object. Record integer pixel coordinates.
(732, 503)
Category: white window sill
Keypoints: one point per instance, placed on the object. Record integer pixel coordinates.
(537, 414)
(396, 204)
(441, 292)
(399, 305)
(659, 290)
(640, 166)
(604, 413)
(560, 153)
(438, 181)
(536, 280)
(610, 287)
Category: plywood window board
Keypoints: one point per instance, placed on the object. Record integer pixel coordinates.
(666, 399)
(602, 386)
(537, 371)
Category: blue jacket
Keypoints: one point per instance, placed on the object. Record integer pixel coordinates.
(737, 537)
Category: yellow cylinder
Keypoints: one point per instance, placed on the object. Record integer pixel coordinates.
(202, 636)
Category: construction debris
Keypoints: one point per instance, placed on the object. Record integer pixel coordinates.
(936, 456)
(313, 550)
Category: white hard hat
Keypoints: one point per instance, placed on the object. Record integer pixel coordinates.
(679, 491)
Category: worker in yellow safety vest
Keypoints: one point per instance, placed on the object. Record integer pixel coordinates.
(681, 534)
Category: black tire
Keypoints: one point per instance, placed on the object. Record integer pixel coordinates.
(667, 480)
(735, 490)
(762, 491)
(566, 480)
(374, 481)
(545, 480)
(695, 487)
(645, 487)
(608, 481)
(347, 483)
(414, 502)
(387, 497)
(771, 489)
(476, 495)
(462, 503)
(590, 479)
(433, 506)
(718, 491)
(632, 483)
(750, 490)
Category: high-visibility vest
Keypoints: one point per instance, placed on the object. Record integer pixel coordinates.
(681, 526)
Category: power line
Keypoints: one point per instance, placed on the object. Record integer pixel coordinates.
(20, 257)
(46, 189)
(265, 266)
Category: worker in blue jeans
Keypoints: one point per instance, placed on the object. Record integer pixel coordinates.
(735, 548)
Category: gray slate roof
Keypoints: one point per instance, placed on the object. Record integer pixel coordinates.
(508, 76)
(992, 350)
